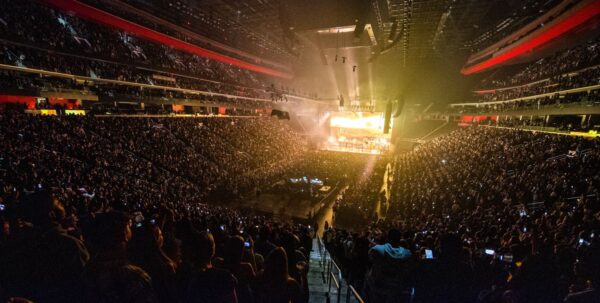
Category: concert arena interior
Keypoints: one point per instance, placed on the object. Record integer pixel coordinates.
(300, 151)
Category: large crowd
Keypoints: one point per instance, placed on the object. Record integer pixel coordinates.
(115, 210)
(192, 157)
(482, 215)
(572, 68)
(583, 98)
(560, 63)
(589, 77)
(360, 199)
(199, 21)
(53, 41)
(137, 209)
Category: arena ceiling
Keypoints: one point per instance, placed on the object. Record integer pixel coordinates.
(446, 28)
(429, 28)
(414, 45)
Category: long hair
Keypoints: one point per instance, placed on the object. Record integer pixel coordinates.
(276, 267)
(144, 249)
(234, 250)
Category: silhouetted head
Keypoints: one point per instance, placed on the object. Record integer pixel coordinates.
(234, 250)
(42, 209)
(450, 245)
(276, 266)
(108, 231)
(198, 248)
(394, 236)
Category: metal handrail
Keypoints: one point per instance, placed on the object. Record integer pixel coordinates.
(331, 269)
(355, 294)
(337, 284)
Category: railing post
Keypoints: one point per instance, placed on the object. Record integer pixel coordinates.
(348, 293)
(328, 281)
(329, 265)
(329, 271)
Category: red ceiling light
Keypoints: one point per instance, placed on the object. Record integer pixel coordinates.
(577, 18)
(99, 16)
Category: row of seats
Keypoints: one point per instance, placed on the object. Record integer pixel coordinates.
(481, 215)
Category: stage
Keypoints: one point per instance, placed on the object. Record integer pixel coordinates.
(357, 132)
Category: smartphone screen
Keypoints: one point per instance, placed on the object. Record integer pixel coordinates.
(246, 244)
(428, 254)
(489, 252)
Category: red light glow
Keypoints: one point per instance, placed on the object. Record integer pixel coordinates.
(99, 16)
(577, 18)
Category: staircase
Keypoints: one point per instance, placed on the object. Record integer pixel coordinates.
(325, 280)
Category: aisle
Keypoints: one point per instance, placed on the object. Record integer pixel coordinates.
(317, 279)
(316, 284)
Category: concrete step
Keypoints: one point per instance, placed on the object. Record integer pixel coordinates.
(318, 284)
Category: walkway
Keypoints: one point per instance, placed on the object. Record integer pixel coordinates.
(324, 279)
(316, 281)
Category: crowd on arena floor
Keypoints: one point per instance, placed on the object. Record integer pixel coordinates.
(483, 215)
(364, 191)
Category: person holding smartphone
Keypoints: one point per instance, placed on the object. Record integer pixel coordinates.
(243, 271)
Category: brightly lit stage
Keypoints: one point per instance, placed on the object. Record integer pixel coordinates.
(357, 132)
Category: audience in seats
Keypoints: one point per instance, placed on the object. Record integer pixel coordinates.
(484, 215)
(572, 68)
(55, 41)
(115, 210)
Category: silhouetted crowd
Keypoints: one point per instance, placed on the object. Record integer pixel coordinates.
(482, 215)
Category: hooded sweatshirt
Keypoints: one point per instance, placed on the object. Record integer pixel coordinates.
(390, 265)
